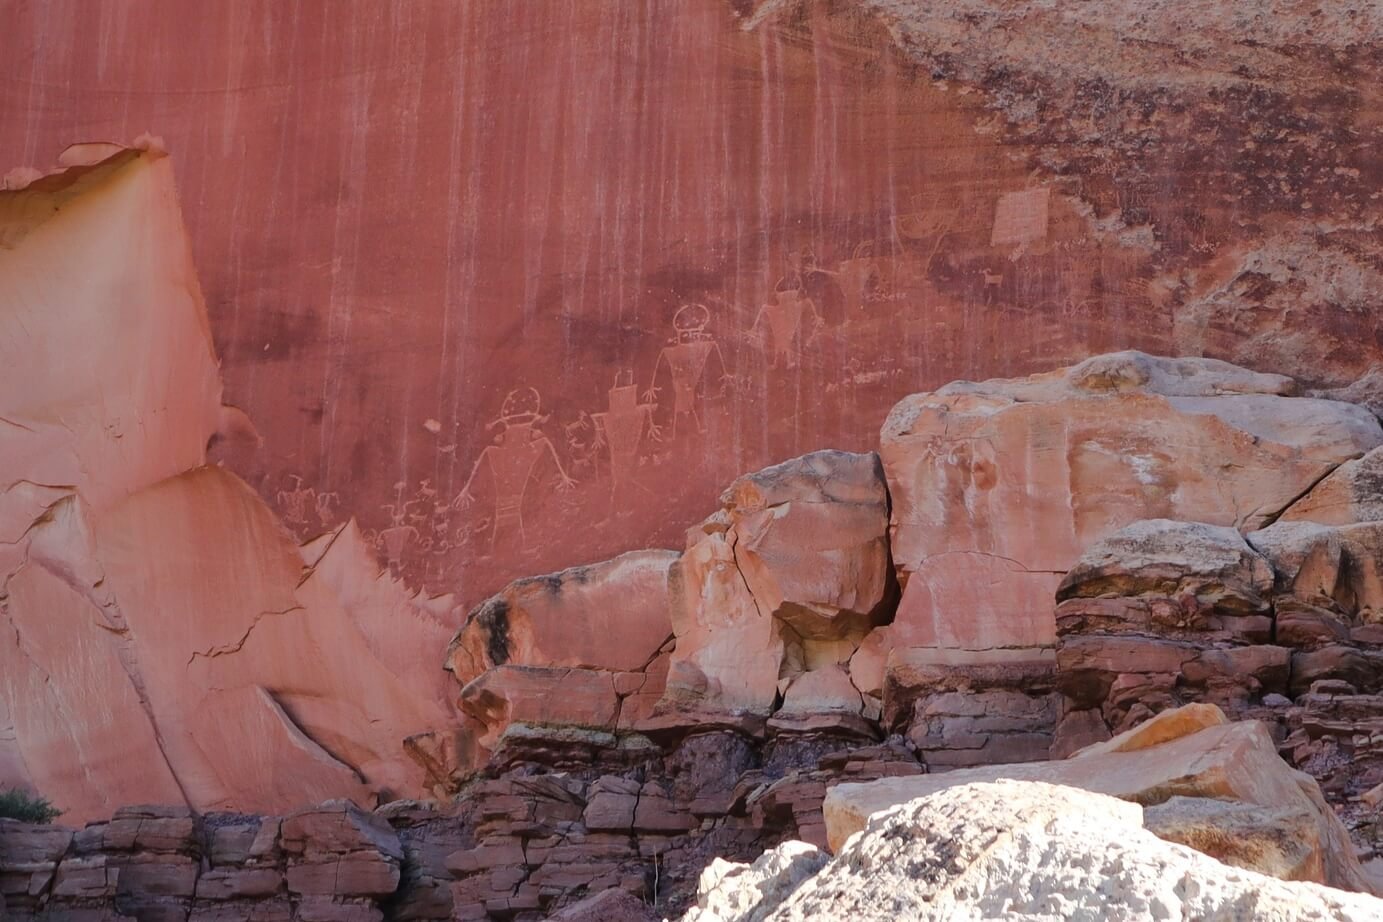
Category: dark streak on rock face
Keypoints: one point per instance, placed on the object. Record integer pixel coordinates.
(495, 618)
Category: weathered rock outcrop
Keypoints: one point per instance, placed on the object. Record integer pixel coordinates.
(1222, 761)
(1032, 850)
(775, 592)
(998, 487)
(587, 647)
(164, 638)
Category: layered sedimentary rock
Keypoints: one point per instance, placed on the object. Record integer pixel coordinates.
(166, 640)
(330, 863)
(1032, 850)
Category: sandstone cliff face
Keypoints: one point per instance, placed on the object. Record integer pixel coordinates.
(607, 335)
(408, 217)
(165, 639)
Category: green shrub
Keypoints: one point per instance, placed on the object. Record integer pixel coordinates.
(28, 808)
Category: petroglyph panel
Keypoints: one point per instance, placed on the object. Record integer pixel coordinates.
(521, 286)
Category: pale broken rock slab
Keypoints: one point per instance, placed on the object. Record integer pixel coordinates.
(96, 270)
(728, 890)
(1014, 478)
(201, 635)
(610, 615)
(1237, 761)
(1026, 850)
(396, 622)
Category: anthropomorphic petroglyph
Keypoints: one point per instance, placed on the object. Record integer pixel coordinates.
(623, 428)
(693, 360)
(513, 461)
(295, 501)
(859, 278)
(788, 320)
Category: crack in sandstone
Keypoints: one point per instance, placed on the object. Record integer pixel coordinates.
(225, 649)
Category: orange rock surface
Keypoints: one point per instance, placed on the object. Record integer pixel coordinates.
(165, 639)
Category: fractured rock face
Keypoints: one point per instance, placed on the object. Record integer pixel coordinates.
(587, 647)
(997, 487)
(164, 640)
(1351, 493)
(782, 583)
(1025, 850)
(811, 541)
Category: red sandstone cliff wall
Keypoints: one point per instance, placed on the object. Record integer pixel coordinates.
(408, 215)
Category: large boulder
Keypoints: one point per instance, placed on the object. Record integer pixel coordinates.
(998, 487)
(1038, 851)
(1227, 761)
(611, 615)
(776, 590)
(587, 647)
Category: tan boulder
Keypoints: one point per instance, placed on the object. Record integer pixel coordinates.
(610, 615)
(1282, 842)
(811, 539)
(1163, 728)
(1233, 761)
(784, 579)
(997, 487)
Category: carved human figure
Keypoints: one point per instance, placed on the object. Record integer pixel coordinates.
(785, 317)
(296, 500)
(963, 472)
(324, 504)
(859, 278)
(623, 427)
(513, 461)
(688, 355)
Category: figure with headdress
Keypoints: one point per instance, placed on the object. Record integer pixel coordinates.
(513, 460)
(688, 355)
(785, 318)
(623, 427)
